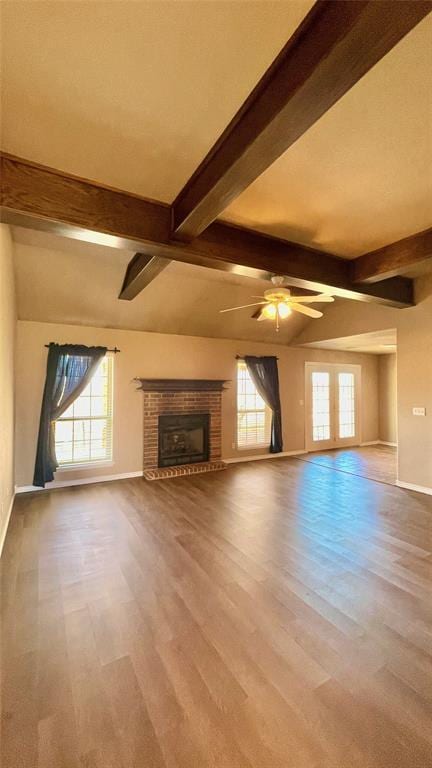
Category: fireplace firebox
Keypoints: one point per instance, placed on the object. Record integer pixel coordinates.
(183, 439)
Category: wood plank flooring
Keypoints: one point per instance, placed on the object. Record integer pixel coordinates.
(274, 615)
(376, 462)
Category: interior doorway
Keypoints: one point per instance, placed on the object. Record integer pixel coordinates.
(337, 434)
(332, 401)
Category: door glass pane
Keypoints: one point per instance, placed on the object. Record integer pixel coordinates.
(320, 405)
(346, 405)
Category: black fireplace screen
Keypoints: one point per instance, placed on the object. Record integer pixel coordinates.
(183, 439)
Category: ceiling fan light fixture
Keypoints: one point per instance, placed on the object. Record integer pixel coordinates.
(278, 303)
(269, 311)
(283, 310)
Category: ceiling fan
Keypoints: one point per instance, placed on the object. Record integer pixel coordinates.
(279, 303)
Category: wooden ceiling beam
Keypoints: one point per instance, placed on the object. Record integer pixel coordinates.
(245, 252)
(41, 198)
(140, 272)
(59, 201)
(393, 259)
(335, 45)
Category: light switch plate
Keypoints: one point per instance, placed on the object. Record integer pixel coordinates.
(419, 411)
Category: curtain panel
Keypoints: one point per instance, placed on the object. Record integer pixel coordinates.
(264, 374)
(69, 369)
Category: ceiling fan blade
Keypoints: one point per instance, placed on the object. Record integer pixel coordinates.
(322, 297)
(306, 310)
(258, 315)
(255, 304)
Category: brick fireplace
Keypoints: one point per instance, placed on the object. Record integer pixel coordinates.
(182, 426)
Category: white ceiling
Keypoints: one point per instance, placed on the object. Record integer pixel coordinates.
(70, 282)
(374, 342)
(132, 94)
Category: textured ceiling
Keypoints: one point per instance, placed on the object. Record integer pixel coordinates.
(132, 94)
(65, 281)
(361, 177)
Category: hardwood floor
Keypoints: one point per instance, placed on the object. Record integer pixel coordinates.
(376, 462)
(273, 615)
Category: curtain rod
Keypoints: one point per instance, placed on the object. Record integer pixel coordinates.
(241, 357)
(115, 350)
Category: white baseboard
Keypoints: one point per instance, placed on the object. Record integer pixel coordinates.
(413, 487)
(126, 475)
(238, 459)
(6, 525)
(82, 481)
(378, 442)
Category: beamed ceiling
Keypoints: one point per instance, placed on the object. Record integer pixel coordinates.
(132, 94)
(361, 177)
(62, 281)
(328, 148)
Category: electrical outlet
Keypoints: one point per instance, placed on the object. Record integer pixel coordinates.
(419, 411)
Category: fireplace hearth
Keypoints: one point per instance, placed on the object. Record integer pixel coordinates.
(183, 439)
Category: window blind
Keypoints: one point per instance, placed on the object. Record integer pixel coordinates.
(253, 415)
(83, 434)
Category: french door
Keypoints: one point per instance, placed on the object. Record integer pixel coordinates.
(332, 401)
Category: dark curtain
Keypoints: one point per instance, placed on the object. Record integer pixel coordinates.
(264, 374)
(69, 370)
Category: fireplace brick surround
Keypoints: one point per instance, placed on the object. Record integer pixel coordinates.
(176, 397)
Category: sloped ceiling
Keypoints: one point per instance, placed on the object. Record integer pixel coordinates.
(132, 94)
(65, 281)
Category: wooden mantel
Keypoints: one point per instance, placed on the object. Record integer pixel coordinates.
(181, 385)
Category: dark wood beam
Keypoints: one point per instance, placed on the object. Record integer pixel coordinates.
(334, 46)
(393, 259)
(58, 201)
(140, 271)
(49, 200)
(245, 252)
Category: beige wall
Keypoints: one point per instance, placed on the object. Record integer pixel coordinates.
(7, 344)
(414, 369)
(387, 398)
(167, 356)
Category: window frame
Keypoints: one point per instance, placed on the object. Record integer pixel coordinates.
(106, 461)
(241, 365)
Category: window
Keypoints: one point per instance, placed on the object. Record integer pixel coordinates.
(320, 405)
(253, 415)
(83, 435)
(332, 405)
(346, 405)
